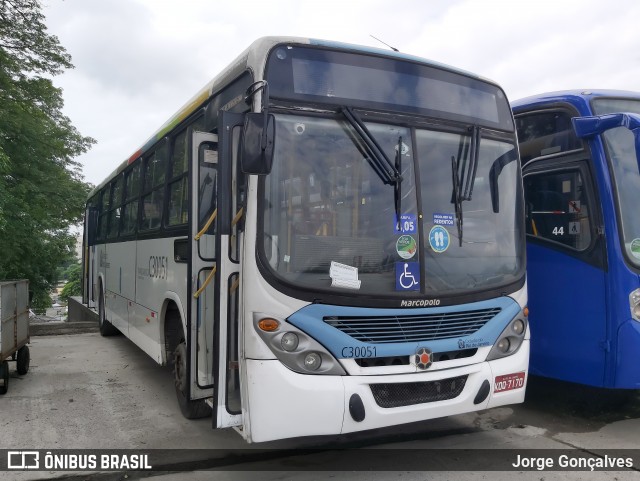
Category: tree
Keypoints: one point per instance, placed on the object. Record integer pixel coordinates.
(73, 287)
(42, 192)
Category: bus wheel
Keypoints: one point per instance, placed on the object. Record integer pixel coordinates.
(4, 369)
(23, 360)
(190, 409)
(106, 328)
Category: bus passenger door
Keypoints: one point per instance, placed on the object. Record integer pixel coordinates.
(227, 408)
(204, 281)
(566, 272)
(215, 282)
(88, 256)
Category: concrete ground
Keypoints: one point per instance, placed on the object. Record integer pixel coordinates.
(89, 392)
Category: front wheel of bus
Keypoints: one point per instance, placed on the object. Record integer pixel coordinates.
(190, 409)
(106, 328)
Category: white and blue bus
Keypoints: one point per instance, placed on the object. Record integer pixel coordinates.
(326, 239)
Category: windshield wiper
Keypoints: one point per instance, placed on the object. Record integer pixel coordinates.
(464, 179)
(385, 169)
(388, 172)
(397, 189)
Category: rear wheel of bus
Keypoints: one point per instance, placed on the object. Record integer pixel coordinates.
(190, 409)
(106, 328)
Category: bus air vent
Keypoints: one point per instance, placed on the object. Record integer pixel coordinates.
(422, 327)
(410, 393)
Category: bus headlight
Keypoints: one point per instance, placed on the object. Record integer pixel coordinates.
(634, 304)
(313, 361)
(289, 341)
(510, 339)
(294, 348)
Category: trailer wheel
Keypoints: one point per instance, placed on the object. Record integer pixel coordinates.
(23, 360)
(189, 409)
(4, 367)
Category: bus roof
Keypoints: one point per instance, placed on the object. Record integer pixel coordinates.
(253, 58)
(578, 98)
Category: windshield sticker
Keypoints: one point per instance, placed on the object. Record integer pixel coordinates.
(574, 206)
(635, 248)
(405, 149)
(443, 219)
(439, 238)
(574, 228)
(406, 246)
(408, 224)
(407, 276)
(344, 276)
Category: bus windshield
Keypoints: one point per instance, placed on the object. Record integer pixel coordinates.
(622, 156)
(324, 205)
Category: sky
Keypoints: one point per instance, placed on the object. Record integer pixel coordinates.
(138, 61)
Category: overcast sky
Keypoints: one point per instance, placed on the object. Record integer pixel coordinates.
(138, 61)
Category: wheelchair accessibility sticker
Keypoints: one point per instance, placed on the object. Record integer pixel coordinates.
(439, 238)
(407, 276)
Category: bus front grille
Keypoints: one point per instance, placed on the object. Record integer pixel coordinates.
(423, 327)
(410, 393)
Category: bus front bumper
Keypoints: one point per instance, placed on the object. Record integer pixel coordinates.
(284, 404)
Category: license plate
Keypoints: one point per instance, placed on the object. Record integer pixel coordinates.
(509, 382)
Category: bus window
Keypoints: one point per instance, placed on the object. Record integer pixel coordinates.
(132, 191)
(178, 207)
(545, 133)
(154, 175)
(558, 208)
(116, 201)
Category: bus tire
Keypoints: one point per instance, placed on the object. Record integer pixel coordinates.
(106, 328)
(4, 367)
(189, 409)
(23, 359)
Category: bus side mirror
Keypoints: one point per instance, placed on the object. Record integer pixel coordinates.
(257, 142)
(586, 127)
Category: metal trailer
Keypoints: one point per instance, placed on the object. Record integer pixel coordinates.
(14, 329)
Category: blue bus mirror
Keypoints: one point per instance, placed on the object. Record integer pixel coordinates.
(257, 142)
(586, 127)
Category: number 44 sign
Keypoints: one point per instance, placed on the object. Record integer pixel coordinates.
(408, 224)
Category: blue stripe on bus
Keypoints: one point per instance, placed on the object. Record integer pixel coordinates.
(310, 319)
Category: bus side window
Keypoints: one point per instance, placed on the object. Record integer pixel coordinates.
(545, 133)
(153, 189)
(559, 208)
(132, 191)
(178, 201)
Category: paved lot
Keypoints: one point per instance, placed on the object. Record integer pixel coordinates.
(85, 391)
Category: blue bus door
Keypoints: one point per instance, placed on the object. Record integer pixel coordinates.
(566, 271)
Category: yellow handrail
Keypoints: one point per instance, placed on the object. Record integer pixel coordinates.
(207, 225)
(206, 283)
(235, 285)
(238, 216)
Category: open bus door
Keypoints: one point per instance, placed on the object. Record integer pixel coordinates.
(88, 256)
(215, 280)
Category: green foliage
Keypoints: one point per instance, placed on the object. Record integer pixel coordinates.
(42, 192)
(73, 287)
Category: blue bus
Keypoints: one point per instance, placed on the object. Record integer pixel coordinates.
(581, 168)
